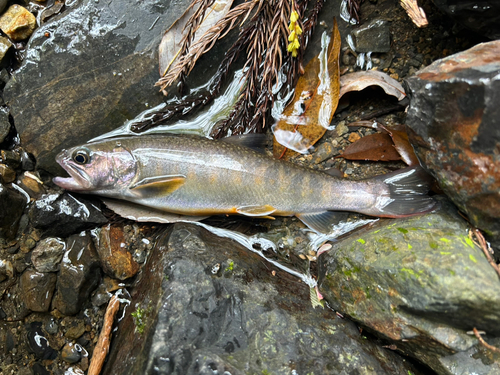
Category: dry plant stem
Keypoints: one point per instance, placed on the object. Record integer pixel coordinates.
(484, 246)
(102, 347)
(484, 343)
(416, 13)
(185, 63)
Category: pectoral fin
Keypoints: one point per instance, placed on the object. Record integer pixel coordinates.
(322, 222)
(265, 210)
(159, 185)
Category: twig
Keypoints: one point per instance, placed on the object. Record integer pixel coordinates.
(102, 348)
(416, 13)
(484, 246)
(484, 343)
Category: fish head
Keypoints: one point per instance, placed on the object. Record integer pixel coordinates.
(102, 168)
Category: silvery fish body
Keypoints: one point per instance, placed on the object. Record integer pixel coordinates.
(199, 177)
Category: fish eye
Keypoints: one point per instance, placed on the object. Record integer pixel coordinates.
(81, 156)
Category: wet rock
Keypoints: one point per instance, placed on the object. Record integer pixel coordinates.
(3, 4)
(18, 23)
(70, 353)
(37, 289)
(5, 45)
(75, 327)
(6, 270)
(38, 343)
(372, 37)
(79, 274)
(7, 174)
(453, 125)
(48, 254)
(51, 326)
(4, 125)
(104, 292)
(107, 64)
(11, 157)
(481, 16)
(324, 152)
(31, 183)
(185, 319)
(64, 214)
(420, 283)
(112, 247)
(12, 204)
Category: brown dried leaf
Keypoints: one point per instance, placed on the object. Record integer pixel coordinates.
(374, 147)
(305, 120)
(360, 80)
(402, 144)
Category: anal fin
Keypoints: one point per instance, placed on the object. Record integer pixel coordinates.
(265, 210)
(322, 222)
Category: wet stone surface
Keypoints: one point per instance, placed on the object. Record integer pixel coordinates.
(37, 289)
(481, 16)
(64, 214)
(453, 122)
(99, 66)
(205, 303)
(12, 204)
(48, 254)
(386, 279)
(79, 274)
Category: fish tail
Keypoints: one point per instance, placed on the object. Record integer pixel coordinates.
(407, 194)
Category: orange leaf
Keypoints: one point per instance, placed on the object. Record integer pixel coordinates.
(306, 119)
(374, 147)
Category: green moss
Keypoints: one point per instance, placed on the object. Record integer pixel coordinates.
(230, 266)
(140, 316)
(473, 258)
(469, 242)
(445, 252)
(410, 247)
(403, 230)
(361, 241)
(443, 239)
(433, 245)
(411, 272)
(452, 273)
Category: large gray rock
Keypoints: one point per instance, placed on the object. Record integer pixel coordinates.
(206, 305)
(419, 282)
(454, 127)
(95, 69)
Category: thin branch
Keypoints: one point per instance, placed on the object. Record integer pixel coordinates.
(102, 348)
(484, 246)
(484, 343)
(185, 63)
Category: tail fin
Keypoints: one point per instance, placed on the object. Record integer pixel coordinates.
(407, 196)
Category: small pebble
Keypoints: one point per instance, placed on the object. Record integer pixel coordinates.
(18, 23)
(353, 137)
(70, 353)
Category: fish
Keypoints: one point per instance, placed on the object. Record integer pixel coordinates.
(197, 177)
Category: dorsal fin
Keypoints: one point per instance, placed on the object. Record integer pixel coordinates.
(256, 142)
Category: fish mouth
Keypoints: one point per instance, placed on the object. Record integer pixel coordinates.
(78, 180)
